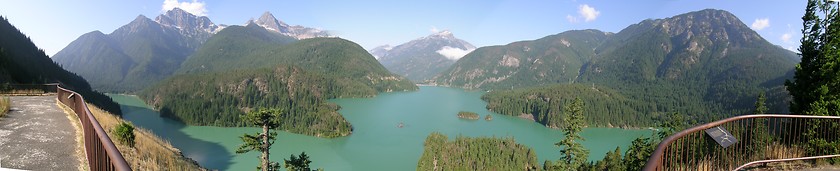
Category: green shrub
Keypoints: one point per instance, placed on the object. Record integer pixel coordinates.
(124, 133)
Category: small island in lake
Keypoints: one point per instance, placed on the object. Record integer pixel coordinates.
(468, 115)
(488, 117)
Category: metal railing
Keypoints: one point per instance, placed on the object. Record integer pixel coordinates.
(100, 151)
(761, 139)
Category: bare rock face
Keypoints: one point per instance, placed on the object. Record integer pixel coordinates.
(269, 22)
(199, 27)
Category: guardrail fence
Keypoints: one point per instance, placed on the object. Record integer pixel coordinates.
(101, 152)
(759, 139)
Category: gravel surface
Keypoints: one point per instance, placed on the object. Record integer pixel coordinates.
(37, 135)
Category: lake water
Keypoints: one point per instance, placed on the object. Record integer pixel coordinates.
(377, 142)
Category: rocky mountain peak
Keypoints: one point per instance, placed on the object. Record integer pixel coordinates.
(445, 34)
(138, 23)
(269, 22)
(422, 58)
(140, 19)
(188, 23)
(716, 25)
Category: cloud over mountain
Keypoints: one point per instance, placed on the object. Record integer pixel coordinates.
(588, 13)
(195, 7)
(760, 24)
(453, 53)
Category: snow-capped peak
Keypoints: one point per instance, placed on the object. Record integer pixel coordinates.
(380, 51)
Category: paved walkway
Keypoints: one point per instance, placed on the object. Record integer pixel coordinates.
(37, 135)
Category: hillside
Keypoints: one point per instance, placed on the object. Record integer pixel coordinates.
(251, 47)
(137, 54)
(21, 62)
(422, 58)
(604, 106)
(233, 47)
(242, 68)
(705, 64)
(709, 56)
(551, 59)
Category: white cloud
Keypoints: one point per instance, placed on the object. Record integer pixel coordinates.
(434, 29)
(585, 13)
(791, 48)
(453, 53)
(786, 37)
(588, 13)
(571, 19)
(760, 24)
(194, 7)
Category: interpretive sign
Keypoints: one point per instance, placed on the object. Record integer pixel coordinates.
(721, 136)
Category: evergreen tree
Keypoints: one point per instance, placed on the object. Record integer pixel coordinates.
(671, 125)
(759, 134)
(299, 163)
(817, 76)
(638, 153)
(267, 120)
(760, 107)
(611, 161)
(573, 154)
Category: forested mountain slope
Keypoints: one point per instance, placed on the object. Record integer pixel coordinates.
(551, 59)
(21, 62)
(706, 64)
(137, 54)
(243, 68)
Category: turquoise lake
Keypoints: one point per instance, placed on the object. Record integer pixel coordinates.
(377, 142)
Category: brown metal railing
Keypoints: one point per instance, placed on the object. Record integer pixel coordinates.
(761, 139)
(101, 152)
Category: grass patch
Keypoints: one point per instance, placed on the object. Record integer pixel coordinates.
(5, 104)
(24, 92)
(80, 137)
(150, 152)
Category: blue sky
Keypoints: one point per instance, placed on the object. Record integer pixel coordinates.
(54, 24)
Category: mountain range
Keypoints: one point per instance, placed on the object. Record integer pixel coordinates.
(146, 51)
(706, 64)
(422, 58)
(695, 63)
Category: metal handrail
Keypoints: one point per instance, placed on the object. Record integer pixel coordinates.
(655, 162)
(101, 152)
